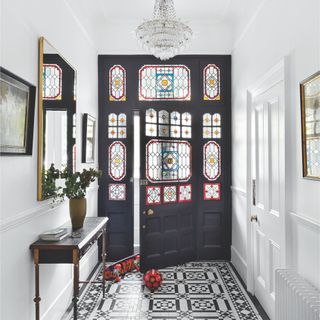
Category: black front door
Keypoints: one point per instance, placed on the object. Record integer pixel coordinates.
(167, 207)
(185, 162)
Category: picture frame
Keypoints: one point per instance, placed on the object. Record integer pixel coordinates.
(310, 125)
(17, 105)
(88, 138)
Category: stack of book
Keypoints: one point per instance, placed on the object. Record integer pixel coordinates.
(54, 235)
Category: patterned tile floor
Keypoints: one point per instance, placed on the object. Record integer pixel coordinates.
(194, 291)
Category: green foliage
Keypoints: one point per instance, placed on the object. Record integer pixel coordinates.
(75, 184)
(49, 177)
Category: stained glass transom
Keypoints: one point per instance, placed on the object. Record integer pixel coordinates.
(169, 194)
(211, 82)
(117, 83)
(211, 126)
(212, 160)
(211, 191)
(117, 160)
(164, 124)
(52, 82)
(167, 82)
(117, 126)
(185, 193)
(168, 161)
(117, 192)
(153, 195)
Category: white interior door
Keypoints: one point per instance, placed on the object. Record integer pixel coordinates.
(268, 196)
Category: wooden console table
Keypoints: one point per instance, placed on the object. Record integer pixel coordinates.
(69, 250)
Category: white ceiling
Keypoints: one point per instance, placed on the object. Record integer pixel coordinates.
(117, 19)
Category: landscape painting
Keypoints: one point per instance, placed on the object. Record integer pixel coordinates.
(17, 99)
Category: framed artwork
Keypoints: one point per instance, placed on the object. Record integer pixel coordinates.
(310, 123)
(88, 138)
(17, 102)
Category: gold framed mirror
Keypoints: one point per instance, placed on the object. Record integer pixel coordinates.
(56, 116)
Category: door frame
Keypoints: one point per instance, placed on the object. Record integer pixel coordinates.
(277, 74)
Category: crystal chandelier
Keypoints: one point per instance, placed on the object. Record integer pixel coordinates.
(164, 36)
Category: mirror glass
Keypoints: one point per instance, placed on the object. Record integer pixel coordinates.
(57, 116)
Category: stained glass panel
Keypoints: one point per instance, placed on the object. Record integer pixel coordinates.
(117, 160)
(186, 132)
(175, 118)
(117, 83)
(207, 132)
(168, 161)
(186, 119)
(169, 194)
(151, 130)
(211, 82)
(206, 120)
(185, 193)
(117, 192)
(175, 132)
(164, 131)
(112, 120)
(122, 120)
(52, 82)
(211, 191)
(167, 82)
(112, 133)
(163, 117)
(122, 133)
(153, 195)
(151, 116)
(211, 160)
(216, 120)
(216, 132)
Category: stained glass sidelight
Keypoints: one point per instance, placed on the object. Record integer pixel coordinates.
(117, 160)
(185, 193)
(211, 160)
(168, 161)
(117, 83)
(211, 82)
(169, 194)
(313, 156)
(153, 195)
(211, 191)
(117, 192)
(52, 82)
(166, 82)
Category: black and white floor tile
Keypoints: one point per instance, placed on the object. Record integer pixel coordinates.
(194, 291)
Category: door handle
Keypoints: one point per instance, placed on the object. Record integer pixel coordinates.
(149, 212)
(254, 217)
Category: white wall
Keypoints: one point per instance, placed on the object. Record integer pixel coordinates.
(22, 216)
(292, 29)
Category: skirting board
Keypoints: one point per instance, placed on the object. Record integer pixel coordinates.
(239, 263)
(62, 301)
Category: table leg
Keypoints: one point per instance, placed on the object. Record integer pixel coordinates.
(104, 238)
(37, 295)
(75, 261)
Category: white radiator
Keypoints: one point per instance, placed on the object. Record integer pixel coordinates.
(296, 298)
